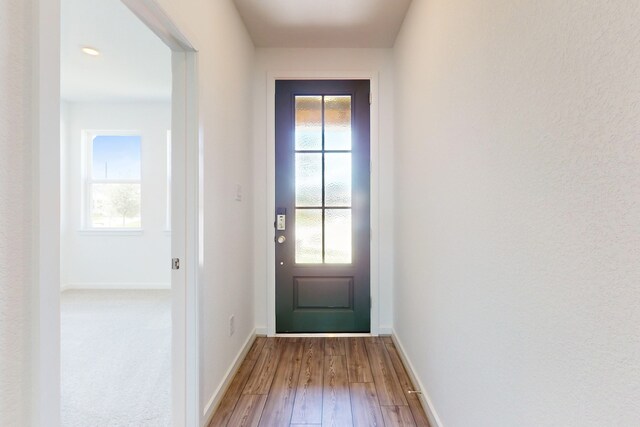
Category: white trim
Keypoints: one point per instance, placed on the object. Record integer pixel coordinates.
(194, 238)
(261, 332)
(373, 77)
(425, 400)
(385, 330)
(158, 21)
(116, 286)
(218, 394)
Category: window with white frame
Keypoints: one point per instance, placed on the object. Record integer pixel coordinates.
(113, 181)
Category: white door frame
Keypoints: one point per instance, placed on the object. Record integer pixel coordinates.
(271, 186)
(46, 212)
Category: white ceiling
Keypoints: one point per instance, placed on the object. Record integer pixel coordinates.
(323, 23)
(134, 64)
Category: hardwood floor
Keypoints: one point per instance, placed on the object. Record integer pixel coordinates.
(337, 382)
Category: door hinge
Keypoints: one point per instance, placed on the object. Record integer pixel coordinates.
(175, 263)
(370, 98)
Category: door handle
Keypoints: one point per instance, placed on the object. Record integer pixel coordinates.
(281, 239)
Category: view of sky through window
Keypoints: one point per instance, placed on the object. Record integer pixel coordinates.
(116, 157)
(115, 186)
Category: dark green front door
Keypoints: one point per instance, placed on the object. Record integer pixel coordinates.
(322, 217)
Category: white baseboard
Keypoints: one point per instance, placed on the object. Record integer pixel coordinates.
(427, 404)
(116, 286)
(217, 395)
(261, 332)
(385, 330)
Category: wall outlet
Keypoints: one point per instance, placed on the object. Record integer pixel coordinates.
(232, 325)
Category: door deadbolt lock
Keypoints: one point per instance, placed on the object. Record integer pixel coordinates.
(281, 239)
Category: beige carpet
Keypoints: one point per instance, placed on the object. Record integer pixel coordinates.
(116, 358)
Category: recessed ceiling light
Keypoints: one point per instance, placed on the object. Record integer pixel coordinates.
(91, 51)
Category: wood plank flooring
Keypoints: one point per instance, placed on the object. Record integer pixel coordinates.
(337, 382)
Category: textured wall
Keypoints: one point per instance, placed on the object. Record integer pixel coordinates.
(517, 292)
(15, 233)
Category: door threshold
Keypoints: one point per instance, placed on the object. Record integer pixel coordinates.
(326, 335)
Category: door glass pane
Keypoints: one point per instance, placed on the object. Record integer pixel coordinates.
(337, 236)
(116, 157)
(308, 123)
(337, 122)
(115, 205)
(308, 179)
(308, 236)
(337, 176)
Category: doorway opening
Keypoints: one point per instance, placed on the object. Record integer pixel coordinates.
(115, 301)
(128, 206)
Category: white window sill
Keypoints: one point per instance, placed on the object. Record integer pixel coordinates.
(112, 232)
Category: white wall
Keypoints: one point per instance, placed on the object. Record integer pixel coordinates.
(65, 185)
(103, 260)
(225, 64)
(325, 62)
(15, 211)
(518, 209)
